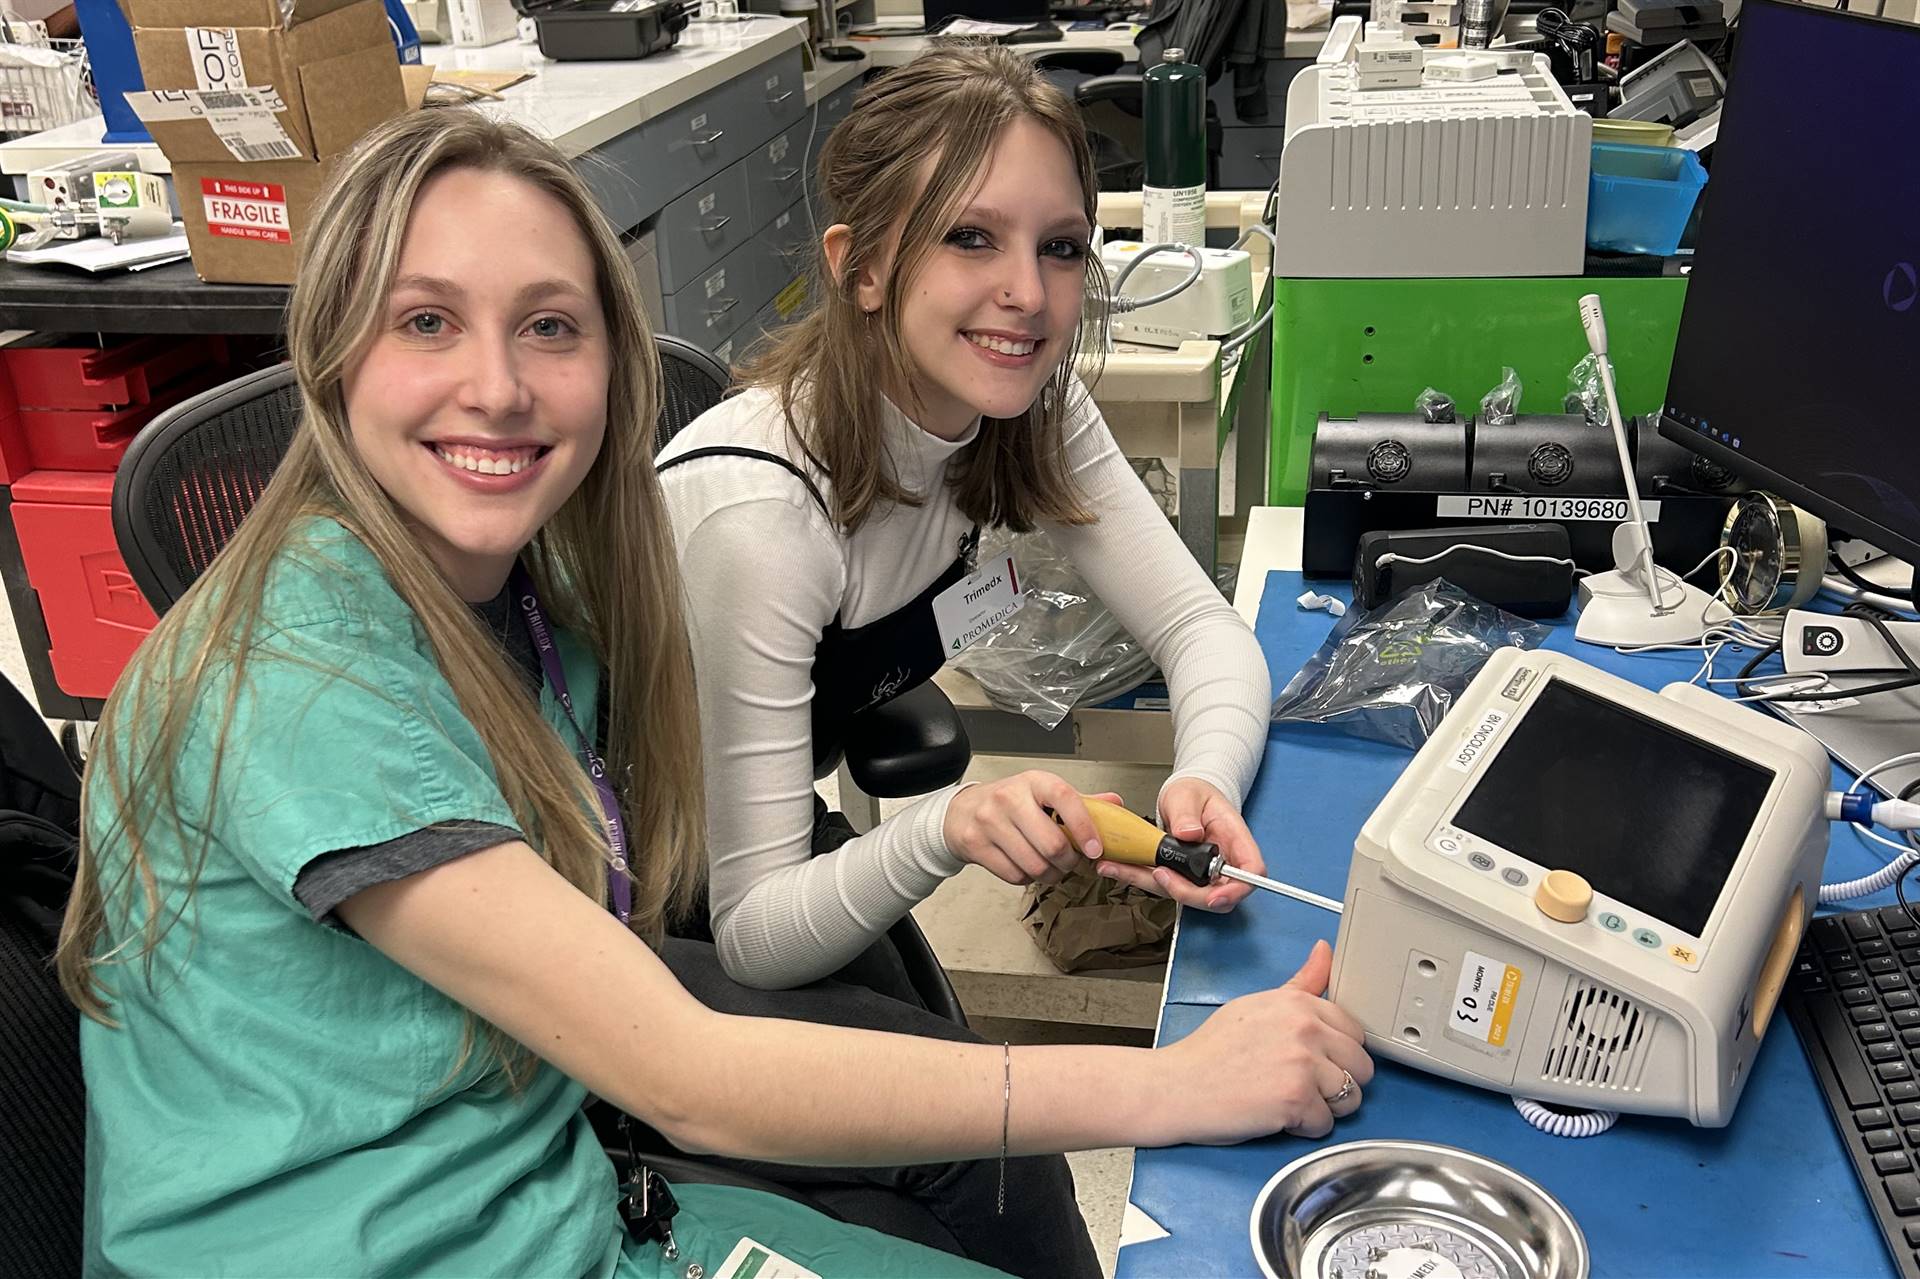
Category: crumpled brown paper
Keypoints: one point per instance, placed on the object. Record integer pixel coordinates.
(1085, 923)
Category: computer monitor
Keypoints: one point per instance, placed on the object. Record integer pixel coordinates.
(1798, 361)
(1026, 12)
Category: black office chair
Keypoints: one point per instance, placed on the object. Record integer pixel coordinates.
(908, 746)
(193, 473)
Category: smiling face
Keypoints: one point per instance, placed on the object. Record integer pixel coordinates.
(480, 402)
(991, 314)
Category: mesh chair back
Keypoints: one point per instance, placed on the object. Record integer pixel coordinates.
(193, 473)
(691, 382)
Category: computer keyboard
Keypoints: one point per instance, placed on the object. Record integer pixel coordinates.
(1854, 998)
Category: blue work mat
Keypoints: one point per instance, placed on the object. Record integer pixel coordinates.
(1771, 1194)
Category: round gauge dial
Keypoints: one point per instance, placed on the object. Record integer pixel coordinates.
(1779, 554)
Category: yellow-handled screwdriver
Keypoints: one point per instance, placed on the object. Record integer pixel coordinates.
(1127, 837)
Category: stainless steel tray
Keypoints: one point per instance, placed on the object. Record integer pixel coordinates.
(1410, 1210)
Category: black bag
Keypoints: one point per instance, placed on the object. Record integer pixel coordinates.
(42, 1098)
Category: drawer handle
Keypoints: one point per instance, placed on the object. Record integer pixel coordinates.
(710, 139)
(1266, 155)
(711, 226)
(731, 303)
(776, 101)
(788, 176)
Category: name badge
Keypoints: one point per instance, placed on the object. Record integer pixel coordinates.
(975, 605)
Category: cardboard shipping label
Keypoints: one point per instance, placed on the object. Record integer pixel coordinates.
(215, 52)
(244, 119)
(246, 210)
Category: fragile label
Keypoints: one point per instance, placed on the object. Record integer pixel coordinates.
(246, 210)
(1531, 506)
(215, 52)
(1483, 999)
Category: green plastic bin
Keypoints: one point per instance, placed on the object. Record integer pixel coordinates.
(1371, 346)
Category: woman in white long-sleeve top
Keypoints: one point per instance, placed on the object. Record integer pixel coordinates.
(822, 514)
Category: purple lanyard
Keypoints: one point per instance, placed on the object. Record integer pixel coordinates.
(618, 880)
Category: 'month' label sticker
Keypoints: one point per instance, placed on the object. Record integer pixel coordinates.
(1483, 999)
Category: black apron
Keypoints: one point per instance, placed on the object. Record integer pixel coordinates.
(858, 668)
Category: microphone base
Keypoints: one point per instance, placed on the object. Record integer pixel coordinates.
(1615, 611)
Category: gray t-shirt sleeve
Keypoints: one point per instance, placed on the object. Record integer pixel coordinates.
(331, 878)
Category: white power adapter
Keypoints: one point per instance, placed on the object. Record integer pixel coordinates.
(1220, 302)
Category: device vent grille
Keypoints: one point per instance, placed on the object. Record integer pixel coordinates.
(1600, 1039)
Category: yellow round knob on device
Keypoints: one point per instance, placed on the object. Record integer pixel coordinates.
(1564, 896)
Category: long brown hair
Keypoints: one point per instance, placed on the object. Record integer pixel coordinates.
(939, 115)
(605, 563)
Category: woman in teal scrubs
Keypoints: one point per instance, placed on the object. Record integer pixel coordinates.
(363, 915)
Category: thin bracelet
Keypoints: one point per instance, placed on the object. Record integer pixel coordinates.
(1006, 1109)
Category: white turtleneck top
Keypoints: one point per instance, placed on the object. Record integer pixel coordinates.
(766, 572)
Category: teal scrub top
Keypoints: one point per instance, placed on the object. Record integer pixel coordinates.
(279, 1099)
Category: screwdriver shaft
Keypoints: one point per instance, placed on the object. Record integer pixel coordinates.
(1285, 890)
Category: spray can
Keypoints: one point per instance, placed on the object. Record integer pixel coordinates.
(1173, 200)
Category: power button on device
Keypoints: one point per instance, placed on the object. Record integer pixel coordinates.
(1447, 844)
(1563, 896)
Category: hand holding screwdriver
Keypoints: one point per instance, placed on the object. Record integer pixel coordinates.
(1132, 840)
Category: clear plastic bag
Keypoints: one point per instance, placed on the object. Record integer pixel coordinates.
(1434, 405)
(1390, 674)
(1064, 649)
(1501, 405)
(1586, 393)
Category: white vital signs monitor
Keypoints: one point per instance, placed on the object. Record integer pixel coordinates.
(1584, 892)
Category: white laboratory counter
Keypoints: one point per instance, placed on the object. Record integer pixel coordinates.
(580, 105)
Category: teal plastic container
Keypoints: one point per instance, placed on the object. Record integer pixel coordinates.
(1639, 198)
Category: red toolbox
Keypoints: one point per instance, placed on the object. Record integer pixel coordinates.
(76, 407)
(95, 614)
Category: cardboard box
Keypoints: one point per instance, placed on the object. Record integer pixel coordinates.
(225, 13)
(243, 219)
(225, 94)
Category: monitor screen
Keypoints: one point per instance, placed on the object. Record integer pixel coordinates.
(1648, 816)
(1796, 361)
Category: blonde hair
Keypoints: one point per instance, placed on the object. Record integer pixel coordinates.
(604, 564)
(941, 113)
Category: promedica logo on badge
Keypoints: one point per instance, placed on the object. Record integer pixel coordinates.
(988, 622)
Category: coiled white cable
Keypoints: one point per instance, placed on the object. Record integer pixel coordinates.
(1584, 1123)
(1883, 878)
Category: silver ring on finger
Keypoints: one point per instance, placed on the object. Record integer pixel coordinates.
(1346, 1088)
